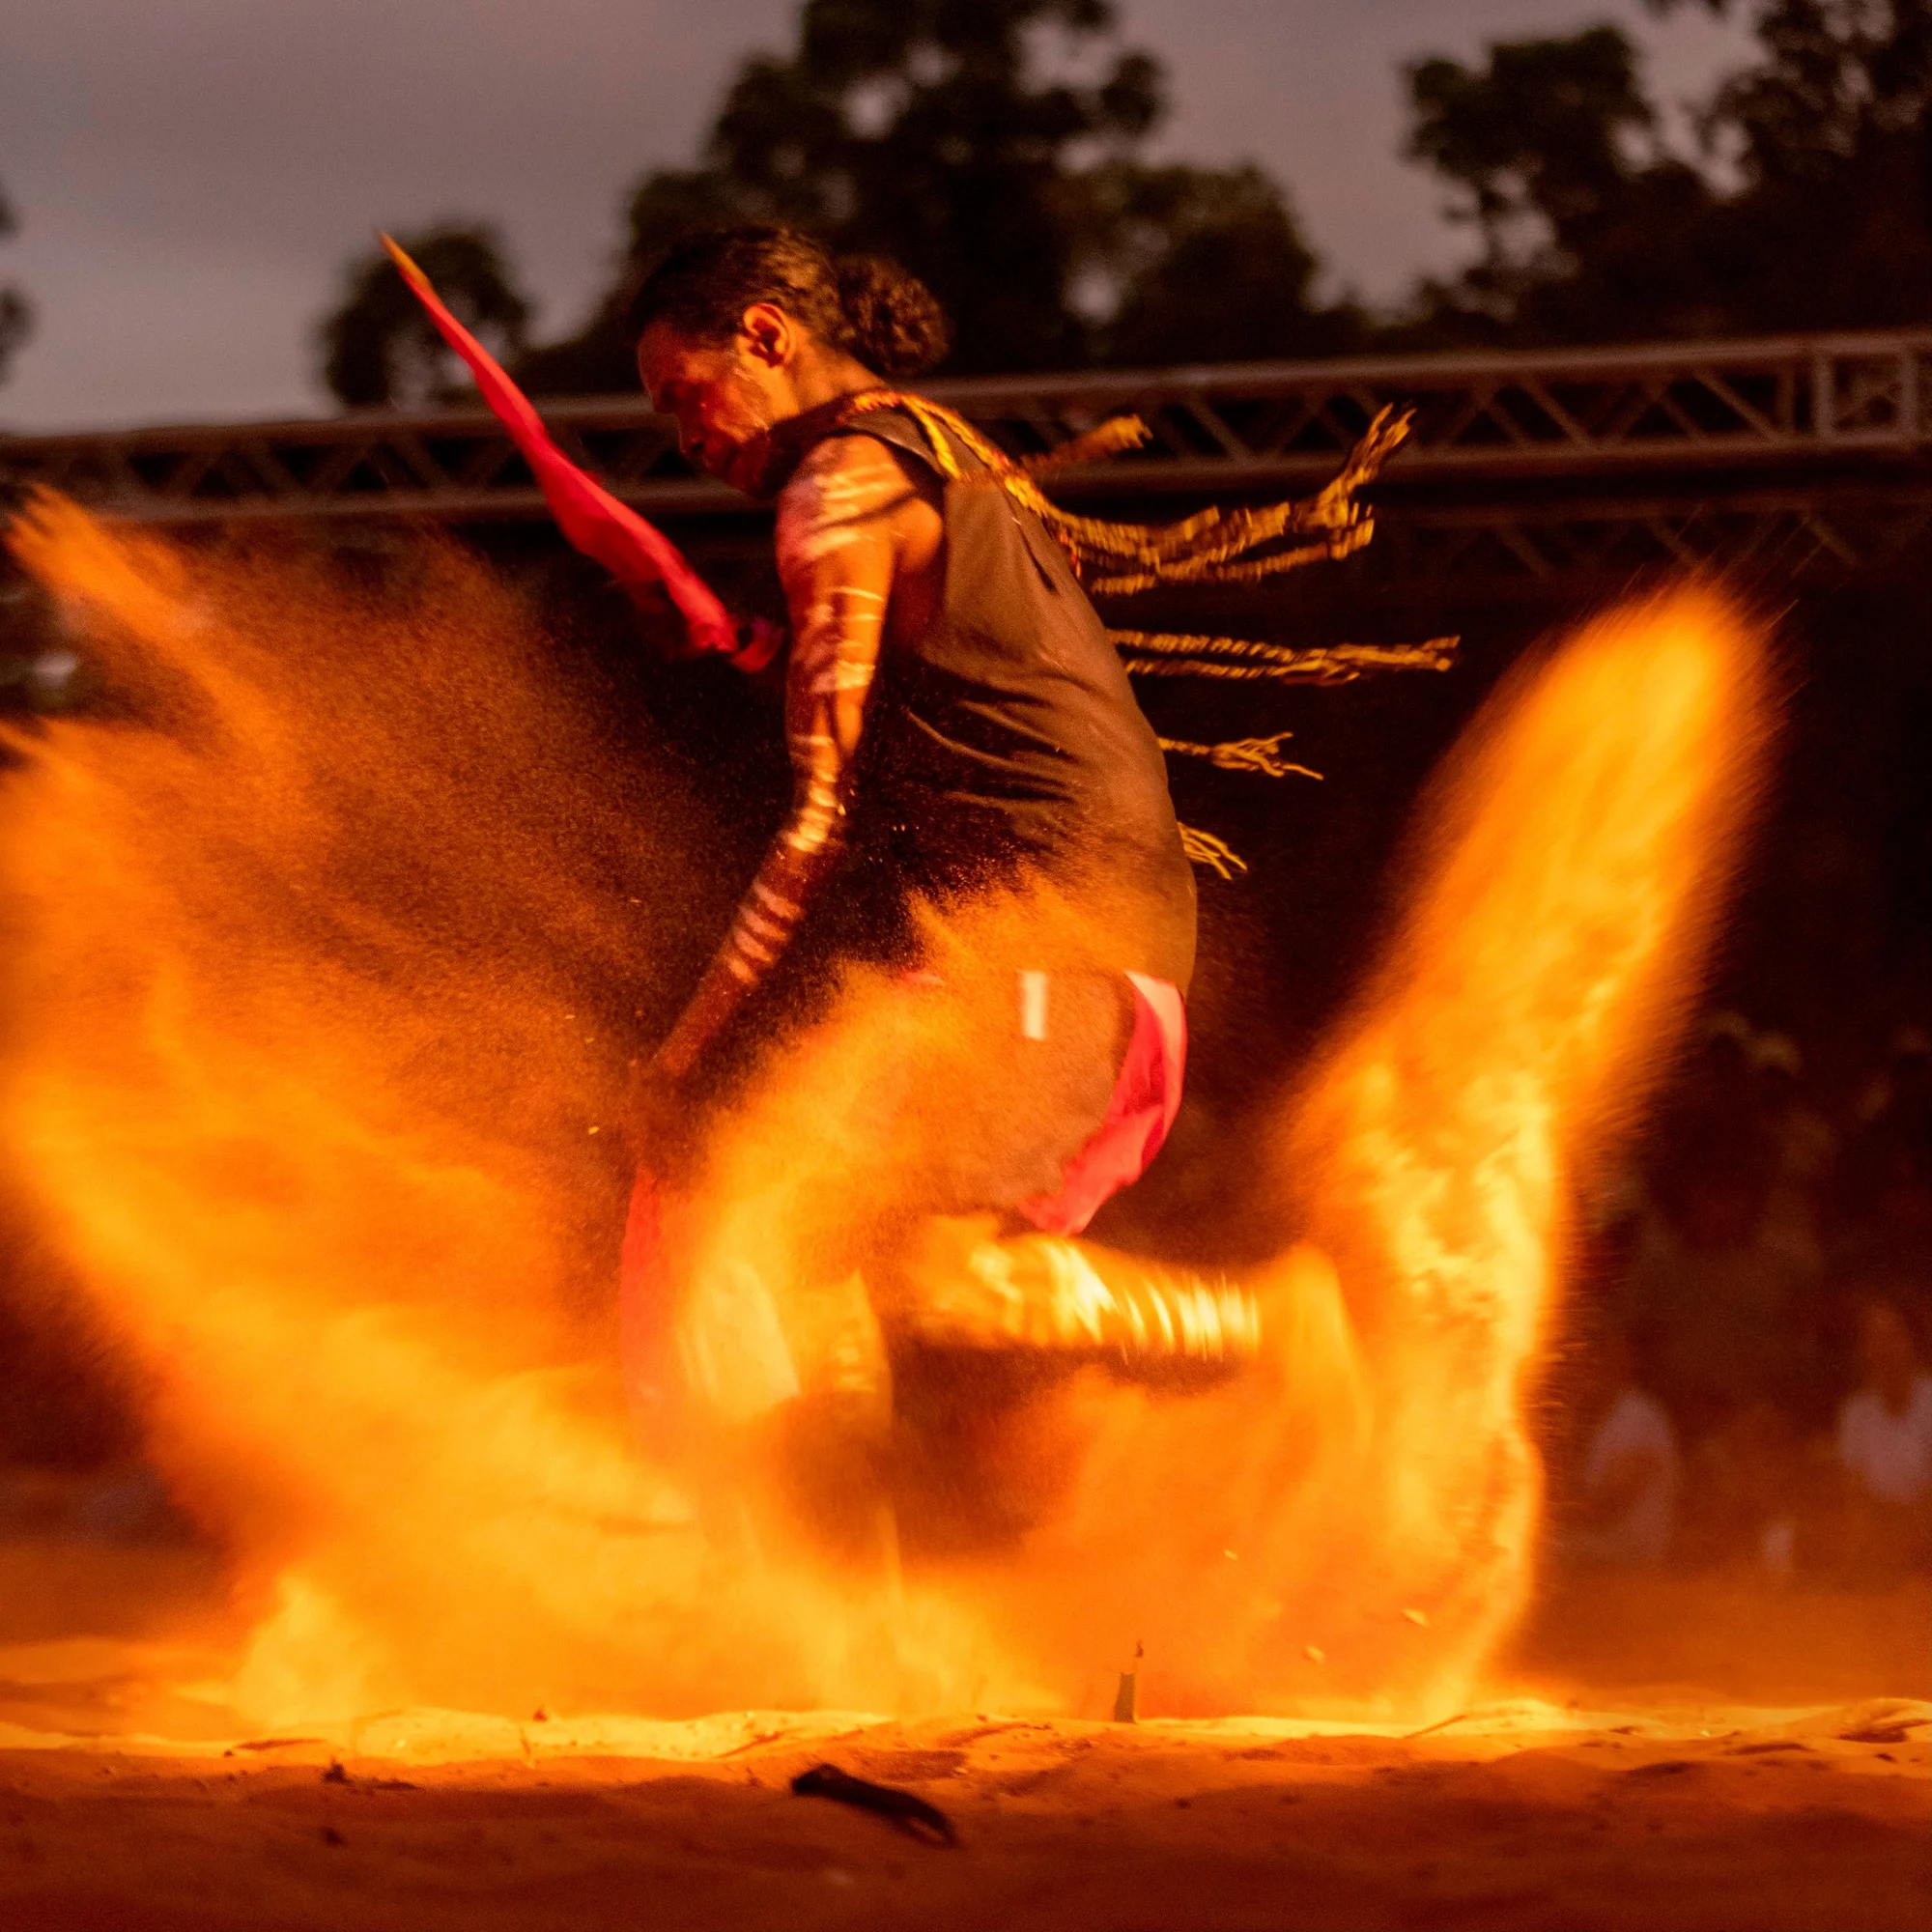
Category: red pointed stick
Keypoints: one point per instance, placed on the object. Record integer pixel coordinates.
(634, 552)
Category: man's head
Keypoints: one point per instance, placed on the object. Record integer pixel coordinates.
(739, 328)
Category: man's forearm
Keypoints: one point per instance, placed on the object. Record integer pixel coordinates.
(838, 560)
(766, 918)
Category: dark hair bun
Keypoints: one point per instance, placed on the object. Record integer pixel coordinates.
(864, 304)
(893, 322)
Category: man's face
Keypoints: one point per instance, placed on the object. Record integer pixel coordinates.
(725, 396)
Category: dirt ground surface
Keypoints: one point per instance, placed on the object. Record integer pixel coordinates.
(1626, 1778)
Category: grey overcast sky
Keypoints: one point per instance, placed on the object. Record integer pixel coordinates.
(191, 175)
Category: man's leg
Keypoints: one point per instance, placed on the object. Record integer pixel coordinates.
(960, 1283)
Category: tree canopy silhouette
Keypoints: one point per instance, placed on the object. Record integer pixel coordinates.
(1209, 266)
(945, 134)
(1592, 229)
(997, 148)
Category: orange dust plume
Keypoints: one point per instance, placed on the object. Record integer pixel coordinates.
(1351, 1523)
(328, 950)
(1341, 1518)
(330, 943)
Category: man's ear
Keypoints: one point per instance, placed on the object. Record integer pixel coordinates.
(771, 334)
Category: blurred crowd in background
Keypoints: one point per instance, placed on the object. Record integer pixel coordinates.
(1752, 1379)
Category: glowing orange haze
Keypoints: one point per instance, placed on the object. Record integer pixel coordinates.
(303, 1082)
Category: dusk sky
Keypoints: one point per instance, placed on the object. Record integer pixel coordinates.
(191, 175)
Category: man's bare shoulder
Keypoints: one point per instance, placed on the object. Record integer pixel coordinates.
(853, 459)
(848, 487)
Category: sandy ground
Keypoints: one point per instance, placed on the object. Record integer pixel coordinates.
(1628, 1781)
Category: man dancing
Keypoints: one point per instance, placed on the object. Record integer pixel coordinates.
(964, 738)
(959, 725)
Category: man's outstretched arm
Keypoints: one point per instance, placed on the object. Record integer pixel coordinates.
(843, 528)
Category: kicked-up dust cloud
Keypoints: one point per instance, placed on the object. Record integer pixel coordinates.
(326, 952)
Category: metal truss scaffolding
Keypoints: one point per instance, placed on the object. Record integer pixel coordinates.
(1809, 452)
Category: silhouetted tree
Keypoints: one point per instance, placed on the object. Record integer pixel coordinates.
(379, 347)
(17, 315)
(1591, 230)
(923, 130)
(938, 132)
(1833, 133)
(944, 133)
(1210, 268)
